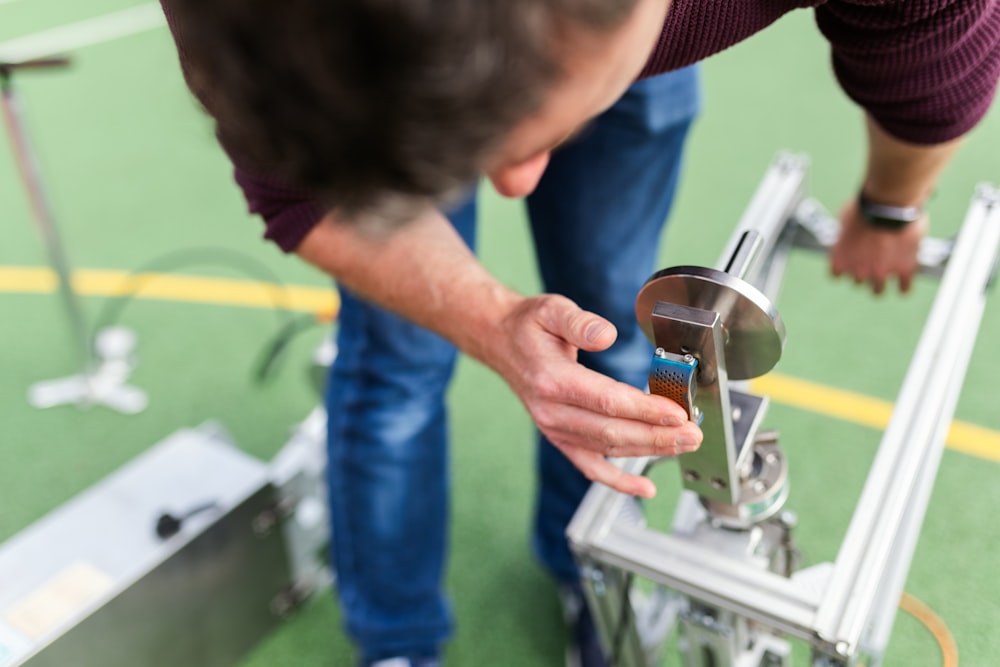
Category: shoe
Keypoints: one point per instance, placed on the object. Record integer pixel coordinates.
(402, 661)
(583, 645)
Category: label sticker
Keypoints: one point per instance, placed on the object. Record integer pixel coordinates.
(57, 600)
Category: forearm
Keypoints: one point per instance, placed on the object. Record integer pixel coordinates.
(900, 173)
(423, 272)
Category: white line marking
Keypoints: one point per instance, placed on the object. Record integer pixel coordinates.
(68, 38)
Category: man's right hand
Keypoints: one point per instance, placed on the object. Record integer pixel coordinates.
(426, 273)
(585, 414)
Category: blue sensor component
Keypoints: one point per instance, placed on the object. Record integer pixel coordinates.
(674, 376)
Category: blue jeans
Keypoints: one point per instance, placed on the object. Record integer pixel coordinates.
(596, 216)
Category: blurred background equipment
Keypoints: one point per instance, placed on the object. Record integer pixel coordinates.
(185, 556)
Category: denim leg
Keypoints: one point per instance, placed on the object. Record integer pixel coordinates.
(388, 476)
(597, 216)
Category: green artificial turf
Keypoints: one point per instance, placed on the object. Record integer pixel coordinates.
(134, 173)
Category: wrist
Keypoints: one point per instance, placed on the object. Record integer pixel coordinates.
(888, 216)
(483, 335)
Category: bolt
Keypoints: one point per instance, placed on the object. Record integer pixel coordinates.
(842, 648)
(660, 353)
(766, 437)
(263, 523)
(284, 603)
(737, 413)
(759, 486)
(596, 576)
(688, 358)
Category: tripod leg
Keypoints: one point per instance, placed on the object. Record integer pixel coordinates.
(97, 383)
(27, 165)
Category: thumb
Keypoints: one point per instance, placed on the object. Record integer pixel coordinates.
(588, 331)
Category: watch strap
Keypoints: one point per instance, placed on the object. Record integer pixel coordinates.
(886, 216)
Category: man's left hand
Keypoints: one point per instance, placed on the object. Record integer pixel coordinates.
(872, 255)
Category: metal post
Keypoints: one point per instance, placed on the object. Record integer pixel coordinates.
(27, 165)
(107, 359)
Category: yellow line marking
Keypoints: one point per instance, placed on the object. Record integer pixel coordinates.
(845, 405)
(824, 400)
(172, 287)
(868, 411)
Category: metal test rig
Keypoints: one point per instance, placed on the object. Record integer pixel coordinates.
(726, 577)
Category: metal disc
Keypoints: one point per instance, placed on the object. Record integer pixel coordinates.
(754, 332)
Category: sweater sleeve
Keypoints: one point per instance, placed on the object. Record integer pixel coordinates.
(288, 212)
(926, 70)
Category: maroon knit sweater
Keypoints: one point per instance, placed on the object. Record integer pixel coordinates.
(926, 70)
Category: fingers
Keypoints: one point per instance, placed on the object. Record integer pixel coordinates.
(609, 436)
(875, 256)
(878, 281)
(882, 270)
(588, 415)
(604, 396)
(597, 469)
(578, 327)
(909, 270)
(877, 273)
(838, 263)
(590, 410)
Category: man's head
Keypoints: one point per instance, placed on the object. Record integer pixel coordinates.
(385, 106)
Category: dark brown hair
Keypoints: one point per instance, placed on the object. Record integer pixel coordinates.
(367, 102)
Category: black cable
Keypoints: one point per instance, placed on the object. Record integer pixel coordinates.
(176, 259)
(169, 262)
(274, 351)
(168, 525)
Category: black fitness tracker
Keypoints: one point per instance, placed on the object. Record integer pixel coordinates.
(884, 216)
